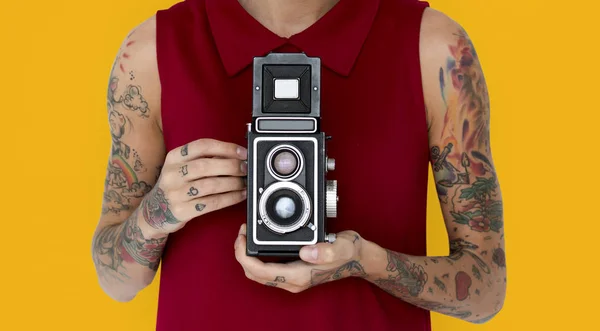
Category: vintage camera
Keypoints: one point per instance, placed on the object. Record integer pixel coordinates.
(289, 197)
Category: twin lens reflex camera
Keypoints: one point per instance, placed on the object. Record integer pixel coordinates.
(289, 198)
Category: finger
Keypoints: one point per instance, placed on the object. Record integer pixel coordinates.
(210, 186)
(324, 253)
(257, 269)
(205, 205)
(202, 168)
(208, 148)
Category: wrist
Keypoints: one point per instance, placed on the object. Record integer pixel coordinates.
(147, 231)
(373, 259)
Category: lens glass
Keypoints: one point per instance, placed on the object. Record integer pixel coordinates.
(284, 207)
(285, 163)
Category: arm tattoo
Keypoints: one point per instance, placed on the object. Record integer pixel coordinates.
(146, 252)
(405, 279)
(131, 98)
(122, 184)
(352, 268)
(155, 209)
(465, 177)
(114, 245)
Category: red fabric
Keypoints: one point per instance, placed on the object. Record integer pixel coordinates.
(372, 104)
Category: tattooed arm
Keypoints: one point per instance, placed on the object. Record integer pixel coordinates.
(126, 256)
(150, 193)
(470, 283)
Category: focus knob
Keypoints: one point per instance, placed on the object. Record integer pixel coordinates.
(330, 164)
(331, 199)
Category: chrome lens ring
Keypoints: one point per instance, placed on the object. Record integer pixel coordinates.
(274, 226)
(299, 164)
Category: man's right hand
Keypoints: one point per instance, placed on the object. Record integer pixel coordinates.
(202, 176)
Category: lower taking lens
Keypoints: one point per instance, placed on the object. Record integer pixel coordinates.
(285, 207)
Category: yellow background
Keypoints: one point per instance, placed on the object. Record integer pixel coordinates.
(541, 65)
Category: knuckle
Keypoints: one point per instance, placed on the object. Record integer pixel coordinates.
(249, 275)
(295, 289)
(328, 254)
(167, 177)
(206, 144)
(170, 156)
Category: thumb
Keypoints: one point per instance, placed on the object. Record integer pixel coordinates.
(325, 253)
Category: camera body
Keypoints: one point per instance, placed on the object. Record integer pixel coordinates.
(289, 197)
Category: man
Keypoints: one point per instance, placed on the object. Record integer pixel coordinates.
(402, 87)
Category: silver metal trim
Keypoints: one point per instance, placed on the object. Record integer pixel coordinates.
(254, 197)
(299, 166)
(262, 207)
(330, 238)
(286, 118)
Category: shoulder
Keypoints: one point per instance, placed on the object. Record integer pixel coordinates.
(135, 69)
(438, 28)
(445, 51)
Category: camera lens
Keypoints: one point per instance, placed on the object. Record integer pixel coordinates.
(284, 207)
(284, 162)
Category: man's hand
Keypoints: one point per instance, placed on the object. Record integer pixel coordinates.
(319, 263)
(197, 178)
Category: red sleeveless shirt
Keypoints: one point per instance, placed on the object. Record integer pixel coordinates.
(371, 103)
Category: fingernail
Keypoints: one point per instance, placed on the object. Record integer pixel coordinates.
(240, 231)
(309, 254)
(237, 241)
(244, 193)
(242, 151)
(244, 167)
(245, 179)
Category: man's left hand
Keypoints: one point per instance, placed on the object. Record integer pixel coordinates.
(319, 263)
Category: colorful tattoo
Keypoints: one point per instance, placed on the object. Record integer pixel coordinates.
(463, 283)
(465, 177)
(439, 284)
(146, 252)
(116, 244)
(476, 273)
(122, 183)
(460, 247)
(406, 279)
(499, 258)
(155, 209)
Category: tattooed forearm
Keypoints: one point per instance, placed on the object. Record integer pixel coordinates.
(146, 252)
(350, 269)
(405, 278)
(445, 287)
(116, 246)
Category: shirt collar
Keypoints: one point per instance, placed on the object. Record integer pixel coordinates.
(336, 38)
